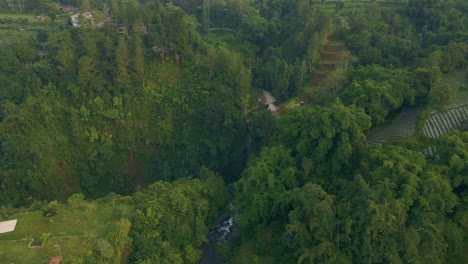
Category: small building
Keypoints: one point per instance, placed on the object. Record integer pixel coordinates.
(75, 20)
(121, 29)
(43, 17)
(42, 53)
(8, 226)
(141, 29)
(67, 8)
(86, 18)
(87, 15)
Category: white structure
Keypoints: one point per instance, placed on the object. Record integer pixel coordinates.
(87, 15)
(269, 100)
(7, 226)
(75, 21)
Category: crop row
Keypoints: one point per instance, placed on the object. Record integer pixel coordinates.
(442, 123)
(403, 126)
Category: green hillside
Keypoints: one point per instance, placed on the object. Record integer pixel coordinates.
(238, 131)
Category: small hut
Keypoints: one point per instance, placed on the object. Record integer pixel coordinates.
(67, 8)
(43, 17)
(8, 226)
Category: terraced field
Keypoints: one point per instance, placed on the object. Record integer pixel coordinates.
(440, 123)
(403, 126)
(436, 125)
(351, 7)
(29, 22)
(330, 58)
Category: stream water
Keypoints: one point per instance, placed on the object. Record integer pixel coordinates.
(222, 231)
(224, 228)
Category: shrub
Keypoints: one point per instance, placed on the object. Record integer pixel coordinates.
(51, 209)
(76, 200)
(104, 248)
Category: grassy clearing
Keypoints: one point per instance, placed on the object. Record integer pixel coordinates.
(75, 231)
(353, 7)
(17, 16)
(29, 22)
(293, 103)
(458, 81)
(71, 248)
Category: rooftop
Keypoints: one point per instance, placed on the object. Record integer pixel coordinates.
(7, 226)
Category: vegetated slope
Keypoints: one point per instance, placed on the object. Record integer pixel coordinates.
(71, 230)
(353, 7)
(167, 221)
(315, 195)
(456, 115)
(103, 111)
(438, 124)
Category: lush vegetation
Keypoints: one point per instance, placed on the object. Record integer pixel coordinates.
(165, 223)
(120, 130)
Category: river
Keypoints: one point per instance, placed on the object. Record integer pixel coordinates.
(222, 231)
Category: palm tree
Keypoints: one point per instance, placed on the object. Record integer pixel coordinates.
(58, 247)
(44, 237)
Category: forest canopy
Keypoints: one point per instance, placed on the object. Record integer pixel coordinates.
(159, 113)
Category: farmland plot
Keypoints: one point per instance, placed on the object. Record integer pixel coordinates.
(442, 123)
(403, 126)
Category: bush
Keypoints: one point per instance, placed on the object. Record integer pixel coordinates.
(104, 248)
(76, 200)
(51, 209)
(224, 251)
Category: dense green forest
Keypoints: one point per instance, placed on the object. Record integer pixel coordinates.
(143, 121)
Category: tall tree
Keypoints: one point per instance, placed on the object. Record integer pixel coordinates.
(138, 59)
(325, 135)
(122, 59)
(66, 55)
(262, 192)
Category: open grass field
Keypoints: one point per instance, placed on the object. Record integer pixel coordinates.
(72, 233)
(17, 16)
